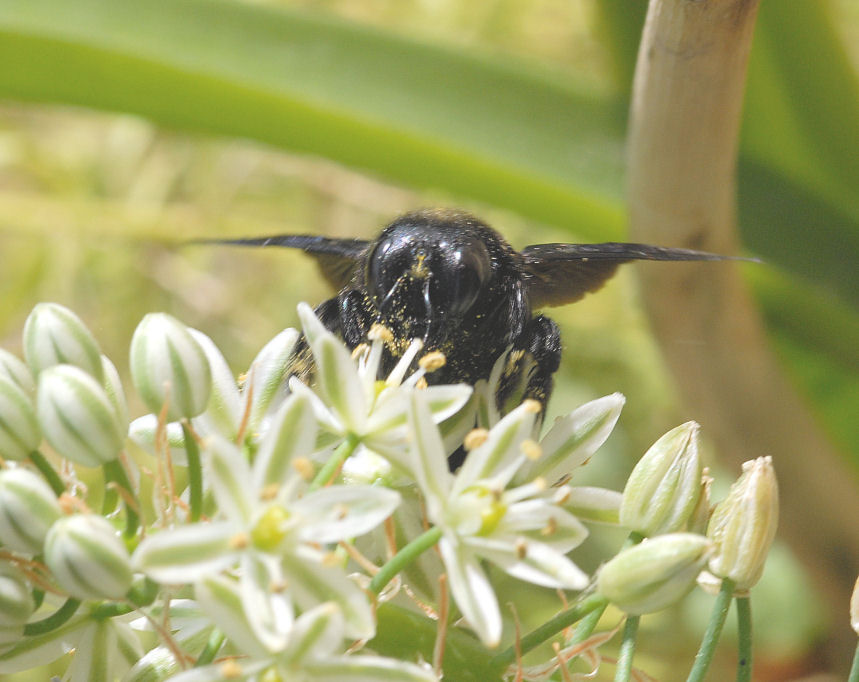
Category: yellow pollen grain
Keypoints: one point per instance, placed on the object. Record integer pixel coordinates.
(432, 361)
(277, 586)
(304, 467)
(563, 495)
(531, 449)
(330, 559)
(475, 438)
(550, 528)
(269, 492)
(381, 333)
(230, 669)
(521, 549)
(532, 406)
(421, 383)
(239, 541)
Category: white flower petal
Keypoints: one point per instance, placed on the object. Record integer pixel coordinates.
(531, 561)
(225, 408)
(268, 608)
(31, 652)
(471, 591)
(318, 633)
(336, 374)
(367, 669)
(597, 505)
(327, 420)
(230, 478)
(221, 599)
(501, 454)
(574, 438)
(292, 433)
(428, 456)
(311, 582)
(544, 522)
(269, 373)
(343, 511)
(184, 554)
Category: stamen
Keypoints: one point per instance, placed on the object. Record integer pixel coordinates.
(532, 406)
(475, 438)
(432, 361)
(531, 449)
(304, 467)
(521, 548)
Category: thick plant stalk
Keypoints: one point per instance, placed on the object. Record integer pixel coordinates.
(685, 121)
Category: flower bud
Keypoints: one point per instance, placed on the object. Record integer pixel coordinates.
(664, 487)
(12, 368)
(19, 429)
(142, 432)
(113, 389)
(16, 600)
(269, 373)
(225, 408)
(54, 335)
(28, 508)
(77, 417)
(87, 558)
(654, 574)
(743, 525)
(169, 367)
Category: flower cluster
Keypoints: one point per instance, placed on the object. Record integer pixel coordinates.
(271, 529)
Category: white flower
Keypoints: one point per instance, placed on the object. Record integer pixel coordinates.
(519, 529)
(350, 400)
(312, 651)
(271, 532)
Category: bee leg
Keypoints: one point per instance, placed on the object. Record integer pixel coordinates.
(543, 343)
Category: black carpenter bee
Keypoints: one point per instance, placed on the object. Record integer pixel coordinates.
(447, 278)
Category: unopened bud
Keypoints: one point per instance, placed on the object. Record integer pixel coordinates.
(16, 599)
(19, 429)
(743, 525)
(854, 608)
(169, 367)
(87, 558)
(664, 487)
(13, 368)
(77, 417)
(654, 574)
(28, 508)
(54, 335)
(113, 389)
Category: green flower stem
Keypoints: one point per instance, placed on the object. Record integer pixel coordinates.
(114, 471)
(588, 624)
(55, 620)
(552, 627)
(404, 557)
(45, 468)
(111, 609)
(195, 473)
(216, 640)
(332, 466)
(854, 670)
(717, 620)
(744, 633)
(627, 650)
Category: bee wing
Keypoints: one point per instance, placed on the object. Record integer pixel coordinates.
(557, 274)
(337, 258)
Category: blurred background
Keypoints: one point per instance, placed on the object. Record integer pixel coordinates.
(125, 131)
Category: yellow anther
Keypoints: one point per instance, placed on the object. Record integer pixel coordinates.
(475, 438)
(432, 361)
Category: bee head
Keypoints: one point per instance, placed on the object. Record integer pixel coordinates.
(429, 270)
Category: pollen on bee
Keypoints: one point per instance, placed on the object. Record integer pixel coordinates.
(532, 406)
(475, 438)
(359, 350)
(379, 332)
(432, 361)
(304, 467)
(531, 449)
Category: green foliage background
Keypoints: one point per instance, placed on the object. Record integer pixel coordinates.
(333, 116)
